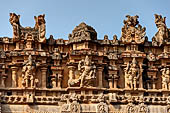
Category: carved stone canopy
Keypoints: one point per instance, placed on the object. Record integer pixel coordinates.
(83, 32)
(131, 33)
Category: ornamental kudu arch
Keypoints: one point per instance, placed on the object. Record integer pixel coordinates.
(85, 74)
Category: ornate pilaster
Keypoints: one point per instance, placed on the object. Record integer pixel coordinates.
(44, 76)
(100, 77)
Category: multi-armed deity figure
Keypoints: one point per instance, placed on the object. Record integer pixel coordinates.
(165, 78)
(41, 27)
(14, 20)
(28, 73)
(131, 75)
(162, 35)
(87, 73)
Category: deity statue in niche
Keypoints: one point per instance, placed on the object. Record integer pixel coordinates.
(131, 74)
(28, 73)
(87, 73)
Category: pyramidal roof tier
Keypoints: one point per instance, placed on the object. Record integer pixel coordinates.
(82, 32)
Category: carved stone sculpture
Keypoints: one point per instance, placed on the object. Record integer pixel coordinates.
(84, 74)
(151, 57)
(131, 33)
(131, 108)
(115, 40)
(102, 108)
(14, 20)
(29, 40)
(106, 40)
(131, 75)
(162, 35)
(51, 42)
(28, 73)
(87, 73)
(142, 108)
(165, 78)
(41, 27)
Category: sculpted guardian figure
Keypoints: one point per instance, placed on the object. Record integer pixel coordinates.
(41, 27)
(14, 20)
(162, 35)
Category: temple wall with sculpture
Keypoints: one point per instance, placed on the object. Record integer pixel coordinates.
(84, 74)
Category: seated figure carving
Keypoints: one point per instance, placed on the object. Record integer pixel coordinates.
(87, 74)
(162, 35)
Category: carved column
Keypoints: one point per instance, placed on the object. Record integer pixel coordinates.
(4, 76)
(14, 76)
(60, 76)
(140, 78)
(17, 46)
(44, 78)
(100, 77)
(115, 80)
(110, 81)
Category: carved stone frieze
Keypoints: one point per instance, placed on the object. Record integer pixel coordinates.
(84, 74)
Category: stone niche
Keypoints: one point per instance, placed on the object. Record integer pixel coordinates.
(84, 74)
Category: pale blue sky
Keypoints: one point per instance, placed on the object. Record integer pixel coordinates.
(106, 16)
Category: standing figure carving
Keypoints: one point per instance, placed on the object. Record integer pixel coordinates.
(165, 78)
(41, 27)
(14, 20)
(28, 73)
(131, 75)
(162, 35)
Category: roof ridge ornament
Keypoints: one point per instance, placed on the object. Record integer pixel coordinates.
(132, 31)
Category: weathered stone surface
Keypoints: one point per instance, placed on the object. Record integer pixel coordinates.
(84, 74)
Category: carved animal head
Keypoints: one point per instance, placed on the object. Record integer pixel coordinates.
(40, 19)
(14, 18)
(159, 19)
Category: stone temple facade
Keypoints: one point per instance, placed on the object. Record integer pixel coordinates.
(84, 74)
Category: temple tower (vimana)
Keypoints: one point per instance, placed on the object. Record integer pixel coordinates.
(83, 74)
